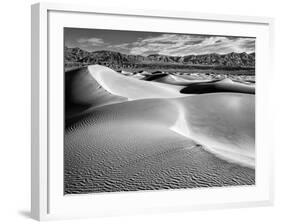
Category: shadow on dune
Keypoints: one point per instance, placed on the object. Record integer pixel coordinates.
(82, 91)
(225, 85)
(154, 77)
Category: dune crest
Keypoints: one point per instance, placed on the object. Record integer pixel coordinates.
(132, 88)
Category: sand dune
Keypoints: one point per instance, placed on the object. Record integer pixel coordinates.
(223, 123)
(131, 88)
(175, 80)
(136, 146)
(160, 139)
(225, 85)
(82, 91)
(199, 86)
(159, 85)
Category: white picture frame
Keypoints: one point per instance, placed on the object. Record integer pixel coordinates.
(47, 199)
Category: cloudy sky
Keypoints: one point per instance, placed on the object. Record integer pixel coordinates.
(145, 43)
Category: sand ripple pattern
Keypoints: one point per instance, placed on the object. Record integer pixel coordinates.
(129, 147)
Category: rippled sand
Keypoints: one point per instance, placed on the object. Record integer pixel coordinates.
(177, 141)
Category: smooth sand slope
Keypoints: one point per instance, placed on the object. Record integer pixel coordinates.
(223, 122)
(159, 143)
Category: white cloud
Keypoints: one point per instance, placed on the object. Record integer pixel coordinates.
(174, 44)
(91, 41)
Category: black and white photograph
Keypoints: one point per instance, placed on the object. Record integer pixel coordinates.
(157, 111)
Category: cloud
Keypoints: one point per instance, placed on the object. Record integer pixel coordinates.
(179, 45)
(219, 45)
(90, 43)
(93, 41)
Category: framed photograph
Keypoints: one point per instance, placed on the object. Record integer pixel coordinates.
(137, 111)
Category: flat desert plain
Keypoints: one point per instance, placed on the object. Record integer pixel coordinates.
(128, 131)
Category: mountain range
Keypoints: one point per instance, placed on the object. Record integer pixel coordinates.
(77, 56)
